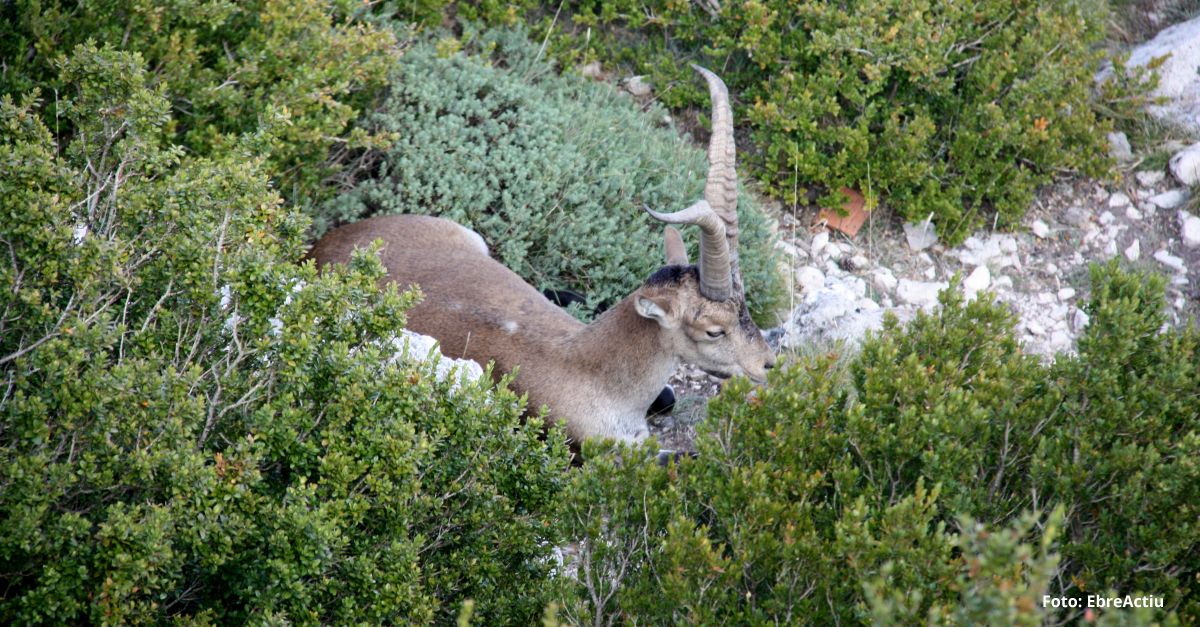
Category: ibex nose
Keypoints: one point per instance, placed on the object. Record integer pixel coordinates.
(770, 363)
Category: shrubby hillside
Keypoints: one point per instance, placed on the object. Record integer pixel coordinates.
(195, 427)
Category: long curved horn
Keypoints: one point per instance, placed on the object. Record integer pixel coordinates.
(716, 215)
(716, 282)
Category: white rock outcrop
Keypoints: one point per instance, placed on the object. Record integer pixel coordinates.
(1179, 82)
(1185, 164)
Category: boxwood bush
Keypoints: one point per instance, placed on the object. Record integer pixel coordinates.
(943, 476)
(194, 428)
(955, 110)
(300, 69)
(551, 169)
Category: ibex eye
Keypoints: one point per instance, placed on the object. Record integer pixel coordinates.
(716, 334)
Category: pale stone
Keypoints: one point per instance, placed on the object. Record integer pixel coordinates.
(1185, 165)
(1035, 327)
(1107, 218)
(1066, 293)
(1040, 229)
(1150, 179)
(1178, 91)
(809, 278)
(978, 280)
(1002, 282)
(1132, 213)
(1076, 216)
(1079, 320)
(818, 242)
(1119, 148)
(919, 293)
(1171, 261)
(921, 235)
(638, 86)
(859, 262)
(1189, 229)
(883, 280)
(1134, 251)
(1169, 199)
(1118, 200)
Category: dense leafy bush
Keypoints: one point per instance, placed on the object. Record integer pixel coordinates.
(820, 501)
(195, 428)
(953, 109)
(299, 69)
(551, 170)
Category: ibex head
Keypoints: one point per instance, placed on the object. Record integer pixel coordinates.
(704, 307)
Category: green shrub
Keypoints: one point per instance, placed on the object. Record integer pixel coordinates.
(194, 428)
(551, 170)
(810, 500)
(959, 110)
(300, 69)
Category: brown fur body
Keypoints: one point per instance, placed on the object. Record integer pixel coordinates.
(601, 387)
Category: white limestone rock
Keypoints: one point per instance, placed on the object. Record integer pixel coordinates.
(638, 86)
(1179, 83)
(1119, 148)
(920, 293)
(810, 279)
(921, 235)
(1189, 229)
(1171, 261)
(1147, 178)
(977, 281)
(1185, 165)
(1169, 199)
(1040, 229)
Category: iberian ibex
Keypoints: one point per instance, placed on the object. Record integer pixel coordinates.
(598, 378)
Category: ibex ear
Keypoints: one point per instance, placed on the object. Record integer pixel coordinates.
(657, 309)
(676, 251)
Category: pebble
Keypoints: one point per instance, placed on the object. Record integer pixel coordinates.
(1118, 200)
(1107, 218)
(1080, 320)
(1169, 260)
(1003, 282)
(859, 262)
(1076, 216)
(931, 272)
(1148, 178)
(1034, 327)
(919, 293)
(883, 280)
(638, 86)
(818, 242)
(1119, 148)
(1133, 213)
(1134, 251)
(921, 235)
(809, 278)
(1066, 293)
(1040, 229)
(1169, 199)
(1185, 165)
(978, 280)
(1046, 298)
(1189, 229)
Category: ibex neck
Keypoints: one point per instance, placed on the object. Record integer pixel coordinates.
(626, 352)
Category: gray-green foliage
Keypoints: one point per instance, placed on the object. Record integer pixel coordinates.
(195, 428)
(552, 170)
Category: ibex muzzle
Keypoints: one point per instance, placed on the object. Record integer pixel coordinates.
(599, 379)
